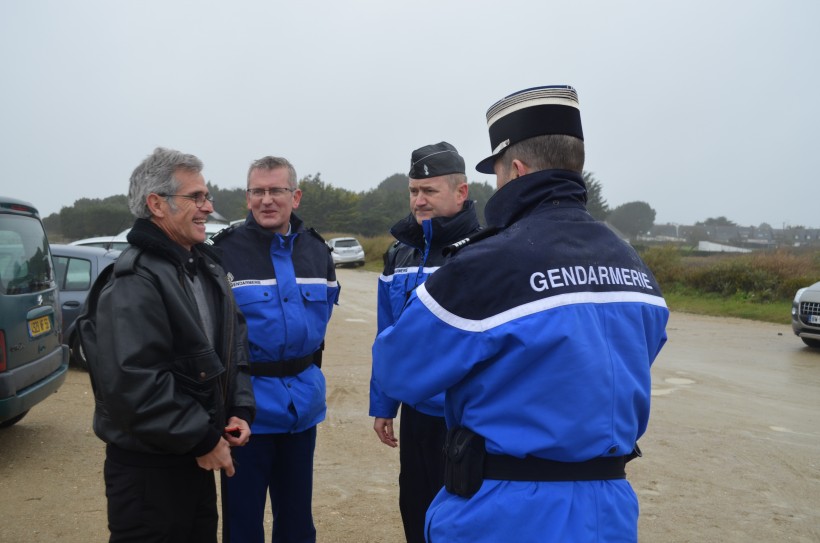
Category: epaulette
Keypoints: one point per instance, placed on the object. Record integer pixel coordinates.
(312, 231)
(317, 235)
(390, 250)
(225, 232)
(478, 236)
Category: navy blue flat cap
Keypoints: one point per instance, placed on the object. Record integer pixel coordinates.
(529, 113)
(435, 160)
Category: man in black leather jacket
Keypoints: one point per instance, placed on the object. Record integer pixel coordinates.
(167, 352)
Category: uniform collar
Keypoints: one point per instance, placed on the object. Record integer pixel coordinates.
(556, 188)
(442, 230)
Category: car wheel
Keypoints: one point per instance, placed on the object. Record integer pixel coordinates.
(815, 343)
(13, 420)
(75, 357)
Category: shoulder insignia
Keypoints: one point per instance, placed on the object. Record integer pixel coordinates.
(316, 234)
(391, 251)
(478, 236)
(312, 231)
(225, 232)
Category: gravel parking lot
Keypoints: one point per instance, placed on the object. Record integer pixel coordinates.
(732, 453)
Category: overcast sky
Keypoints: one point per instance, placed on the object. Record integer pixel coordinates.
(700, 108)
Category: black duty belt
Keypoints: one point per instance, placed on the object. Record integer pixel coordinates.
(530, 468)
(286, 368)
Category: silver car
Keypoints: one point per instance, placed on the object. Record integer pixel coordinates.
(806, 315)
(76, 269)
(346, 251)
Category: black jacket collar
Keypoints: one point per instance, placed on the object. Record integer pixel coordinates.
(557, 188)
(446, 230)
(150, 237)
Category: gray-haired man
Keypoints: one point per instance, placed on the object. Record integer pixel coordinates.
(167, 354)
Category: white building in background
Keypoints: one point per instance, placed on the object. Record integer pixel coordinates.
(711, 247)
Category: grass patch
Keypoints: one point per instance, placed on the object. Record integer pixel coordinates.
(757, 286)
(711, 304)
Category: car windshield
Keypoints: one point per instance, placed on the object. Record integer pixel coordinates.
(346, 243)
(25, 265)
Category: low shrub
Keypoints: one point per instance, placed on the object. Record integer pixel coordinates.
(765, 276)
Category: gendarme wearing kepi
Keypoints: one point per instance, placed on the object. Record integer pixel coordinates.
(528, 113)
(541, 336)
(435, 160)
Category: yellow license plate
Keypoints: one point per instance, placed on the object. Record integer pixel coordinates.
(38, 327)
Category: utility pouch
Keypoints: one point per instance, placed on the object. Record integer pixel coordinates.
(464, 454)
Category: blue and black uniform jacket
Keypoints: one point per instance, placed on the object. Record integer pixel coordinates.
(542, 336)
(285, 286)
(408, 263)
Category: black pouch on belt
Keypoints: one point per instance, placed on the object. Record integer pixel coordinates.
(464, 462)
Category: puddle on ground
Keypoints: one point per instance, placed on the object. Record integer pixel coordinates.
(780, 429)
(678, 381)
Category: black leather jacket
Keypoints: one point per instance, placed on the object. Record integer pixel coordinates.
(160, 387)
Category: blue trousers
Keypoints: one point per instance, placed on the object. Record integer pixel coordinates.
(279, 465)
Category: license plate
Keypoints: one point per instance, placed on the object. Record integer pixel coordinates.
(39, 326)
(814, 319)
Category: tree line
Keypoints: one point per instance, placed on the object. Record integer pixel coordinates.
(327, 209)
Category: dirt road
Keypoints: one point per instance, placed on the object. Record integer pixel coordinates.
(732, 453)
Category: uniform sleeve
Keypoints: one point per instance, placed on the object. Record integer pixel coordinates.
(384, 309)
(436, 350)
(382, 405)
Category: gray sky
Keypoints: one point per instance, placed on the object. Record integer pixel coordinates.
(700, 108)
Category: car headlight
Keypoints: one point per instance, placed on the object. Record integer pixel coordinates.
(799, 293)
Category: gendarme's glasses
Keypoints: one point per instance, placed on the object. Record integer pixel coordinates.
(276, 192)
(199, 198)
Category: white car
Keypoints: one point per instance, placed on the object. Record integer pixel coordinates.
(117, 242)
(346, 251)
(120, 241)
(806, 315)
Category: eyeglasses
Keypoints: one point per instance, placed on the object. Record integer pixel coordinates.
(276, 192)
(199, 198)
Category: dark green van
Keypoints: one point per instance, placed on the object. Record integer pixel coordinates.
(33, 359)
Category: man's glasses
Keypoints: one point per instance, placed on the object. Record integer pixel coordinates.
(199, 198)
(276, 192)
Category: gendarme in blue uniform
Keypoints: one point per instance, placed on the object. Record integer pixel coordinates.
(286, 295)
(285, 285)
(407, 265)
(542, 337)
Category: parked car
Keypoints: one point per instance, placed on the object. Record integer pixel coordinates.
(33, 359)
(117, 242)
(76, 268)
(120, 241)
(346, 251)
(806, 315)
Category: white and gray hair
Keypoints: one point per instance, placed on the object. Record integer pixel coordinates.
(156, 174)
